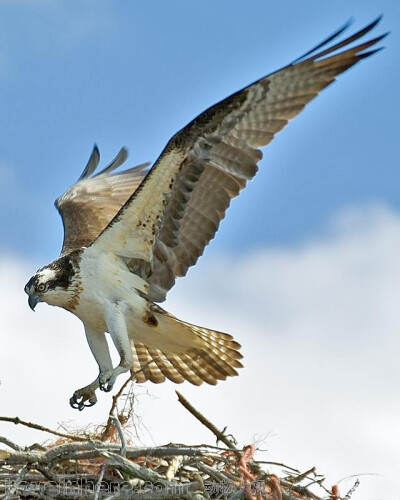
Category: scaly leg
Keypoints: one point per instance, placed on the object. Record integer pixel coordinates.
(98, 345)
(115, 319)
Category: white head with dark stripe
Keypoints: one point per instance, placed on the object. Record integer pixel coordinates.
(53, 284)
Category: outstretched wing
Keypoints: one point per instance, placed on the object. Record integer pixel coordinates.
(163, 228)
(90, 204)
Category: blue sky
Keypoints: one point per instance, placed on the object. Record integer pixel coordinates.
(133, 73)
(310, 248)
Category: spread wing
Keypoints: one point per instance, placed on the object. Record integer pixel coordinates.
(90, 204)
(165, 225)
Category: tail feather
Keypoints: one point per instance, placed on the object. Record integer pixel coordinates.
(149, 368)
(205, 373)
(166, 367)
(223, 350)
(136, 369)
(184, 352)
(223, 366)
(185, 369)
(223, 339)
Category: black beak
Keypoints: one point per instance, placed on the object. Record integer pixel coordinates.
(32, 301)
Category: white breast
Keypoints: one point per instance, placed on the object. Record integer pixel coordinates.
(106, 278)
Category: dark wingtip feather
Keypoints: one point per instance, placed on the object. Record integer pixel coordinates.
(377, 21)
(363, 55)
(359, 34)
(324, 42)
(92, 163)
(377, 39)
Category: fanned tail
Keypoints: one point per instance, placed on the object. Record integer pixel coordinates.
(184, 352)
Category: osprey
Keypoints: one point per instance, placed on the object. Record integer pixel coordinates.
(128, 236)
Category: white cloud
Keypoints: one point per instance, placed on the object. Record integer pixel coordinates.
(319, 325)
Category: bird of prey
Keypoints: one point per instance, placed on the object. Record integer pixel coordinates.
(128, 236)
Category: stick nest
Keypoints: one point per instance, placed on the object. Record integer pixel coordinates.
(102, 464)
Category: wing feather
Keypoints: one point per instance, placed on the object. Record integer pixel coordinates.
(91, 203)
(177, 209)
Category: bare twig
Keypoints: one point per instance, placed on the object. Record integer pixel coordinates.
(279, 464)
(211, 471)
(105, 434)
(17, 420)
(133, 469)
(47, 473)
(352, 490)
(98, 484)
(72, 450)
(300, 490)
(118, 425)
(201, 418)
(9, 443)
(300, 476)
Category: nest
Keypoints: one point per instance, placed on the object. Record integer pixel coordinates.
(102, 464)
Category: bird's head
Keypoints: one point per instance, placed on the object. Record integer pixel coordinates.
(51, 284)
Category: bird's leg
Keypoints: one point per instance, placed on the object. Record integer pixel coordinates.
(115, 319)
(99, 347)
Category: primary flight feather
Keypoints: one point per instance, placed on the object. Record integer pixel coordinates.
(128, 236)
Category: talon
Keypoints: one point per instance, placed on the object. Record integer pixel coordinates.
(74, 403)
(82, 399)
(106, 387)
(106, 382)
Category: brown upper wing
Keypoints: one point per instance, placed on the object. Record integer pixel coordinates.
(91, 203)
(163, 228)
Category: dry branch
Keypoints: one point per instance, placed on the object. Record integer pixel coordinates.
(17, 420)
(201, 418)
(88, 466)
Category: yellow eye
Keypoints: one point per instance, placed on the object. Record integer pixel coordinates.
(41, 287)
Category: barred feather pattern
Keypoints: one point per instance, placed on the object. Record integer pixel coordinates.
(216, 360)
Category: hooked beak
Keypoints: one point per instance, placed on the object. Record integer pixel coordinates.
(32, 301)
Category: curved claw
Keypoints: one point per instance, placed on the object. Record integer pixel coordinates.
(81, 399)
(106, 387)
(106, 381)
